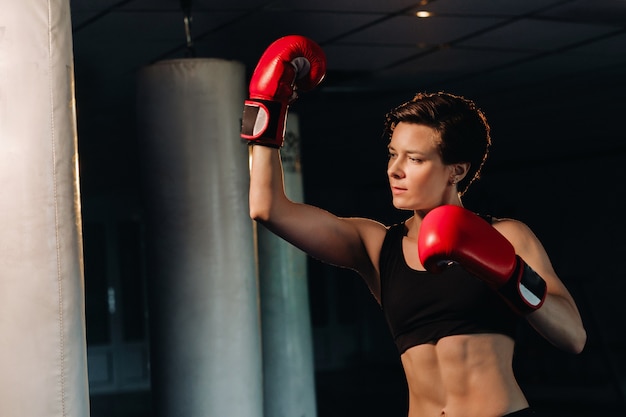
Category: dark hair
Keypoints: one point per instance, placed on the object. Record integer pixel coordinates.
(462, 126)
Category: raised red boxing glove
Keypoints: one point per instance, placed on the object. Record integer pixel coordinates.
(453, 234)
(290, 64)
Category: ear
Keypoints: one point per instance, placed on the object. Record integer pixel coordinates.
(459, 171)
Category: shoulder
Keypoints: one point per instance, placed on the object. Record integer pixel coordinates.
(520, 235)
(514, 230)
(370, 231)
(508, 226)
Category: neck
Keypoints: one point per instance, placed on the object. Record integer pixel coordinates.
(414, 222)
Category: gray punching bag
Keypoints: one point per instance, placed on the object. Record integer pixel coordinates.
(43, 354)
(203, 291)
(288, 369)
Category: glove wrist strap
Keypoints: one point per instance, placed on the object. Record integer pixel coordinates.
(263, 122)
(525, 291)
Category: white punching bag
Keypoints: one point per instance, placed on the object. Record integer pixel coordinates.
(43, 359)
(202, 282)
(288, 368)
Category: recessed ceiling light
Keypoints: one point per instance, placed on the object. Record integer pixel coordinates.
(423, 13)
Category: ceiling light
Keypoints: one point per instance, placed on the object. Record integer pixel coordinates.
(423, 13)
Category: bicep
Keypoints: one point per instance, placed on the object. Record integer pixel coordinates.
(530, 249)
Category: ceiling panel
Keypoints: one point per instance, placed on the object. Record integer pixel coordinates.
(457, 62)
(504, 8)
(359, 58)
(196, 5)
(450, 69)
(361, 6)
(551, 68)
(538, 35)
(411, 30)
(593, 11)
(607, 51)
(245, 39)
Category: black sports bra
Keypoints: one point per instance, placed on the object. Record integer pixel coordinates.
(422, 307)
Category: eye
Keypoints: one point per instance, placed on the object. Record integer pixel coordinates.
(391, 155)
(416, 160)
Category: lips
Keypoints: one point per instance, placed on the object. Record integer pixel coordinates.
(397, 190)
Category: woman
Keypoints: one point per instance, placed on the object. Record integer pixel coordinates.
(455, 333)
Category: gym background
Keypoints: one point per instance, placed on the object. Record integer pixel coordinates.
(548, 74)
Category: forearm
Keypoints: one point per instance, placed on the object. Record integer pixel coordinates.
(559, 322)
(267, 193)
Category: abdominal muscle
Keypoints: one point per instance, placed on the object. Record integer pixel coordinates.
(463, 376)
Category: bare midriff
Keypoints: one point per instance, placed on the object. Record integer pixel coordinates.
(463, 376)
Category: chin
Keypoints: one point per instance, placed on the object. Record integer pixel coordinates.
(402, 206)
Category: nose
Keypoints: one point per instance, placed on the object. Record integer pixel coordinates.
(394, 168)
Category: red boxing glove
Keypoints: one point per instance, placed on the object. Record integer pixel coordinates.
(453, 234)
(290, 64)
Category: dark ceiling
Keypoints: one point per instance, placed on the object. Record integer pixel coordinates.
(503, 42)
(518, 56)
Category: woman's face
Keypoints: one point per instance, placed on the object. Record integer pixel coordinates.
(418, 178)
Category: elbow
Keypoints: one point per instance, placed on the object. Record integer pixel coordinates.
(266, 206)
(259, 206)
(575, 342)
(579, 341)
(259, 213)
(262, 210)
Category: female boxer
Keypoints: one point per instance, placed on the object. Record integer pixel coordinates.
(452, 285)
